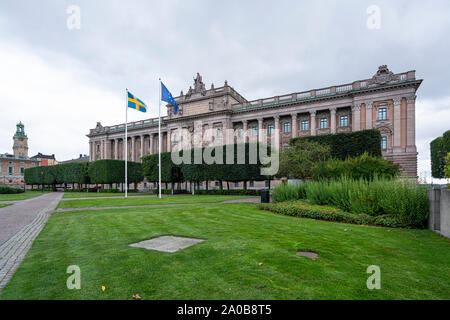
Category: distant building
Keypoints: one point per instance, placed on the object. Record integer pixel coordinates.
(81, 158)
(12, 166)
(45, 160)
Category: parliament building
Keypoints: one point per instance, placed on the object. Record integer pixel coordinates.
(385, 102)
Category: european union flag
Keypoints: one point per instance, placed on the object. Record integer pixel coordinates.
(167, 96)
(135, 103)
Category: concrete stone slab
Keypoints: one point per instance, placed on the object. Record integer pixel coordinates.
(167, 243)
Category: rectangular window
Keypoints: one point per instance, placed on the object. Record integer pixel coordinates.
(236, 184)
(10, 171)
(155, 185)
(240, 130)
(219, 132)
(267, 183)
(22, 171)
(384, 143)
(252, 184)
(217, 184)
(323, 123)
(287, 127)
(270, 129)
(305, 125)
(343, 121)
(254, 131)
(382, 114)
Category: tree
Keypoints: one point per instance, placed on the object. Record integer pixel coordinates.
(447, 166)
(298, 160)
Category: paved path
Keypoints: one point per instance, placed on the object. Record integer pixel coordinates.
(19, 226)
(248, 200)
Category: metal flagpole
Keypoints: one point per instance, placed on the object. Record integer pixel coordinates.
(126, 144)
(159, 140)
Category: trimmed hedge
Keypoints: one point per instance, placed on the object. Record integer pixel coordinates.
(231, 192)
(58, 174)
(349, 144)
(109, 171)
(9, 190)
(319, 212)
(361, 167)
(439, 148)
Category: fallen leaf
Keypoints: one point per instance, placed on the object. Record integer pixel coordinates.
(103, 288)
(239, 254)
(137, 296)
(260, 264)
(345, 229)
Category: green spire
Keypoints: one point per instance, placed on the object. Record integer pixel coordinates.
(20, 131)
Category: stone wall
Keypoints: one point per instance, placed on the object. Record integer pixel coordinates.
(439, 219)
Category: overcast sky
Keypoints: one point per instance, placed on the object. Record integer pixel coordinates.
(61, 81)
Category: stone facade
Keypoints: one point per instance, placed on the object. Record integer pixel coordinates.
(385, 102)
(12, 166)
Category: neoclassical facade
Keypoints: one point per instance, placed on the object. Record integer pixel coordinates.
(385, 102)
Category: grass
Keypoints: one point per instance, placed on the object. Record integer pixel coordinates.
(101, 194)
(238, 237)
(2, 205)
(21, 196)
(120, 202)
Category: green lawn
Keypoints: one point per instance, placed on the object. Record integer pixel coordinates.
(101, 194)
(21, 196)
(415, 264)
(2, 205)
(96, 202)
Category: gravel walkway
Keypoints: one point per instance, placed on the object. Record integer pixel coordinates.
(19, 226)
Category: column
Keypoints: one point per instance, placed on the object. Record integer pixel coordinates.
(91, 153)
(411, 123)
(333, 119)
(116, 149)
(397, 123)
(142, 147)
(151, 143)
(260, 130)
(133, 148)
(356, 117)
(313, 122)
(369, 114)
(294, 125)
(109, 149)
(244, 130)
(102, 145)
(277, 124)
(168, 140)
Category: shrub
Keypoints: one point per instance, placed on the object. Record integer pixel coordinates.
(361, 167)
(231, 192)
(289, 192)
(113, 171)
(439, 148)
(350, 144)
(9, 190)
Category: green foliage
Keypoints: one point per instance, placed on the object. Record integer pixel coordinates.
(170, 172)
(231, 192)
(439, 148)
(298, 160)
(9, 190)
(351, 144)
(58, 174)
(361, 167)
(405, 200)
(113, 171)
(289, 192)
(447, 166)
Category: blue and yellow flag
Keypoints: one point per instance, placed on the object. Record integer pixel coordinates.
(135, 103)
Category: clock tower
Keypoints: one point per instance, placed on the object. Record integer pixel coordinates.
(20, 146)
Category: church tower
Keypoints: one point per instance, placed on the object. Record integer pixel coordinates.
(20, 146)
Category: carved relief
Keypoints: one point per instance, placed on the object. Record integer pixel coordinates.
(383, 75)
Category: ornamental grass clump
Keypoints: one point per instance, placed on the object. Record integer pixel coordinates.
(289, 192)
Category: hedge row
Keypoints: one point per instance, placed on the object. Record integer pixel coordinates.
(9, 190)
(439, 148)
(97, 172)
(196, 172)
(307, 210)
(351, 144)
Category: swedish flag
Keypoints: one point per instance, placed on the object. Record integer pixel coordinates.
(135, 103)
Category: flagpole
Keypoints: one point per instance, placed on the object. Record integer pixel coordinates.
(159, 140)
(126, 144)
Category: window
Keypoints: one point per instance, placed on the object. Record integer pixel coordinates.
(287, 127)
(267, 183)
(254, 131)
(200, 184)
(305, 125)
(155, 185)
(217, 184)
(343, 121)
(252, 184)
(236, 184)
(323, 123)
(98, 148)
(240, 130)
(270, 129)
(145, 184)
(33, 164)
(384, 143)
(10, 171)
(22, 171)
(219, 132)
(175, 137)
(382, 114)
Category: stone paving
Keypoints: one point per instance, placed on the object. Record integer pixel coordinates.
(19, 226)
